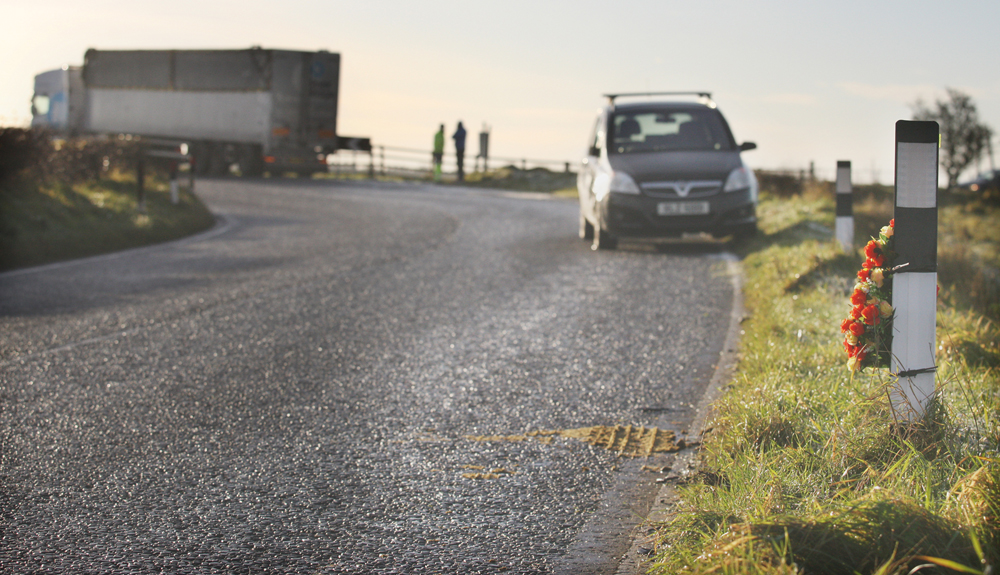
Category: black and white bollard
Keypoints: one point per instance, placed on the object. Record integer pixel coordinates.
(845, 206)
(914, 287)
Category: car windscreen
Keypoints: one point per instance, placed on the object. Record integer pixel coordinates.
(667, 130)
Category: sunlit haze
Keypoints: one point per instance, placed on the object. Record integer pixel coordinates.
(807, 82)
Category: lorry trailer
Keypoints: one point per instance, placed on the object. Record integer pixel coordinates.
(266, 110)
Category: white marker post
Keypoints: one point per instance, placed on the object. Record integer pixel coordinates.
(845, 206)
(914, 287)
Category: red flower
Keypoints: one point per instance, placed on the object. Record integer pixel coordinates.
(872, 249)
(861, 355)
(857, 328)
(856, 312)
(870, 314)
(859, 297)
(851, 349)
(875, 262)
(864, 275)
(845, 325)
(892, 223)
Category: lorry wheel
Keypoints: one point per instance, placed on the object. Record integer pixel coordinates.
(200, 152)
(217, 165)
(251, 161)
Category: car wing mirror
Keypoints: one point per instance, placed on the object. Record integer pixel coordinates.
(745, 146)
(594, 151)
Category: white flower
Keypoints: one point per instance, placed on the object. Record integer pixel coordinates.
(884, 309)
(878, 275)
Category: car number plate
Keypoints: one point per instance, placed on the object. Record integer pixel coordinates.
(681, 208)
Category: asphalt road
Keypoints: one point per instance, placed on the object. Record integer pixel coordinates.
(292, 392)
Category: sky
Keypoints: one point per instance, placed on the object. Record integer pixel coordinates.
(807, 81)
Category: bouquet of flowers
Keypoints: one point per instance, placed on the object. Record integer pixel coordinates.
(868, 327)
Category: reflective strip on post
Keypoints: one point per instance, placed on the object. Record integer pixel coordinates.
(845, 209)
(914, 287)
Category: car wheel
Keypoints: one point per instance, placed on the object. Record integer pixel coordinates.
(603, 240)
(745, 233)
(586, 228)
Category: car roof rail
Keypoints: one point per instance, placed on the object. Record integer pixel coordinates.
(701, 94)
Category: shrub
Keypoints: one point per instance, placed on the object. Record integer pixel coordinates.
(20, 149)
(44, 157)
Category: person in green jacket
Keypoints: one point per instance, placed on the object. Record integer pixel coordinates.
(438, 153)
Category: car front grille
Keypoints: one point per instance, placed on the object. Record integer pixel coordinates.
(682, 189)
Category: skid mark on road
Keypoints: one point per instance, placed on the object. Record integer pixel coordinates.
(624, 440)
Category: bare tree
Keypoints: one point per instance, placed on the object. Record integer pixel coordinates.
(964, 138)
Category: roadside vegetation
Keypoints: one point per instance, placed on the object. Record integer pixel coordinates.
(804, 469)
(64, 199)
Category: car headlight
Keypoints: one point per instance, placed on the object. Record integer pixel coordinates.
(623, 183)
(741, 178)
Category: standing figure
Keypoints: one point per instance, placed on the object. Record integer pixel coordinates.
(459, 137)
(438, 153)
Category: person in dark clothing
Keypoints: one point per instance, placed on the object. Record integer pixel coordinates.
(459, 137)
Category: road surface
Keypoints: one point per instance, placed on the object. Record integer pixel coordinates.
(314, 385)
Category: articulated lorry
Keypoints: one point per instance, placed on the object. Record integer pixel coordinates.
(265, 110)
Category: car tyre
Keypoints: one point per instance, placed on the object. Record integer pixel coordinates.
(745, 233)
(586, 228)
(603, 240)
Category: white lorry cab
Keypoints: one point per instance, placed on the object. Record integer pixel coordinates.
(58, 102)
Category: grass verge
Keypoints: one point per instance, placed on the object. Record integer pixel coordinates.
(804, 469)
(44, 222)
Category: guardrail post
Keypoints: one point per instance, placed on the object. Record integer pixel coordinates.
(174, 192)
(914, 287)
(845, 206)
(484, 147)
(191, 161)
